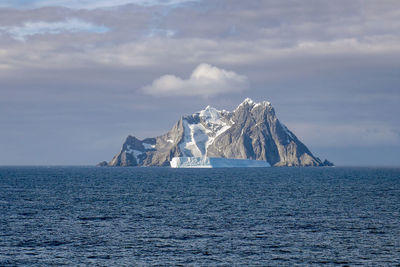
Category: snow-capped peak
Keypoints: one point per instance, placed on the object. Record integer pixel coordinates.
(248, 101)
(264, 104)
(251, 103)
(211, 115)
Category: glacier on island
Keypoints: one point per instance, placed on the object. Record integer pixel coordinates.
(206, 162)
(252, 131)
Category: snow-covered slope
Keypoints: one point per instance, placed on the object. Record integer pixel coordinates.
(201, 129)
(251, 131)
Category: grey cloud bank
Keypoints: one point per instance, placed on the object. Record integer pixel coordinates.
(330, 68)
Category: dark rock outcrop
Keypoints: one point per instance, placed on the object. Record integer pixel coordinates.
(102, 164)
(327, 163)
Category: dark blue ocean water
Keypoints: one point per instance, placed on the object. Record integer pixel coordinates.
(159, 216)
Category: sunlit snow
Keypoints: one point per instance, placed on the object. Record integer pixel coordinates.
(199, 136)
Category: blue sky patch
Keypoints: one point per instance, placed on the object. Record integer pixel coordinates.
(22, 32)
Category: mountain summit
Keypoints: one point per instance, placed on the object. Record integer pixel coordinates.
(252, 131)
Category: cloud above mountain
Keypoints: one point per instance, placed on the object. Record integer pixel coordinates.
(205, 80)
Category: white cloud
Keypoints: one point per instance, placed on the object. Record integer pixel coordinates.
(44, 27)
(205, 80)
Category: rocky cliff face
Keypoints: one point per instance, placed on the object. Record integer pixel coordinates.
(251, 131)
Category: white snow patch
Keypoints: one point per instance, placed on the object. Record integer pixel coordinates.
(263, 104)
(194, 141)
(250, 102)
(266, 103)
(211, 115)
(247, 101)
(257, 105)
(149, 146)
(199, 136)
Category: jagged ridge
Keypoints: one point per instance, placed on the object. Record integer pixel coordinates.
(251, 131)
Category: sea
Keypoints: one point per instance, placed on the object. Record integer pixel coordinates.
(92, 216)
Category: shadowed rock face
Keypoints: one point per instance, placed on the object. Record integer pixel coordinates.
(251, 131)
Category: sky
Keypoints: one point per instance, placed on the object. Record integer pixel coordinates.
(77, 77)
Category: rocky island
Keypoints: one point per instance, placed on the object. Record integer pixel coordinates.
(249, 136)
